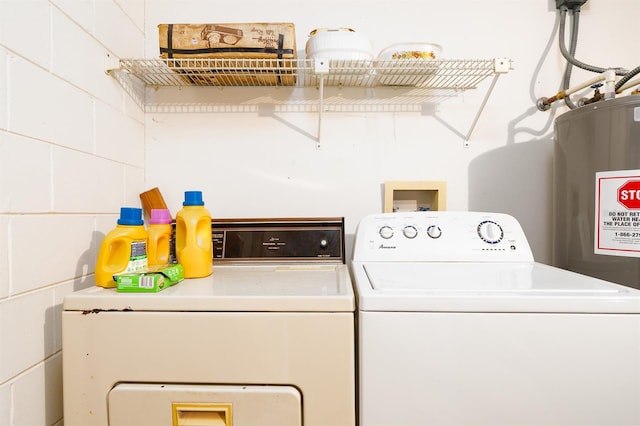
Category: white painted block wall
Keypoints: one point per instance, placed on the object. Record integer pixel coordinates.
(71, 153)
(74, 147)
(256, 165)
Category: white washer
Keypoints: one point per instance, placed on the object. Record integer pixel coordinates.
(459, 326)
(268, 339)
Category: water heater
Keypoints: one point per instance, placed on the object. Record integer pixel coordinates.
(604, 136)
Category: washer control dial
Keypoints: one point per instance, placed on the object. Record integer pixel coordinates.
(434, 231)
(410, 231)
(490, 232)
(386, 232)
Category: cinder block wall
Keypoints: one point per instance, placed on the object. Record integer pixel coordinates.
(71, 154)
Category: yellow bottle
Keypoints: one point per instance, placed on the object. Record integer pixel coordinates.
(194, 246)
(159, 241)
(123, 249)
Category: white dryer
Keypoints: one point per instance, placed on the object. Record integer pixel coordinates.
(458, 325)
(268, 339)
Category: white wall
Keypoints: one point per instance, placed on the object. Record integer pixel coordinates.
(74, 147)
(254, 165)
(71, 153)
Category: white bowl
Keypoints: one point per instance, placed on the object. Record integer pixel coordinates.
(339, 44)
(414, 51)
(408, 64)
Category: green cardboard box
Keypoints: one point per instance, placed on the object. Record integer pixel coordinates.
(153, 280)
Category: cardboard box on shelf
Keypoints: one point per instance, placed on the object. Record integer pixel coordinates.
(274, 43)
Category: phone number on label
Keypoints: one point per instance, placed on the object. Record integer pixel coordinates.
(628, 234)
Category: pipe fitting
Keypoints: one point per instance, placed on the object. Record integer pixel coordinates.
(543, 104)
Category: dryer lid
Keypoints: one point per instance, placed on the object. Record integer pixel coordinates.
(235, 288)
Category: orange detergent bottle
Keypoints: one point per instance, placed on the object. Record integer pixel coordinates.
(123, 249)
(159, 241)
(194, 246)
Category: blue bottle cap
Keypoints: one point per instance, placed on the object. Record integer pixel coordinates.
(130, 216)
(193, 198)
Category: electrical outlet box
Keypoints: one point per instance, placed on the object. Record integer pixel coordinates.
(570, 4)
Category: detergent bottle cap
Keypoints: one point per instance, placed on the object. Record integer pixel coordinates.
(160, 217)
(193, 198)
(130, 216)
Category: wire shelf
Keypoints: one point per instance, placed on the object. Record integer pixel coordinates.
(414, 84)
(454, 74)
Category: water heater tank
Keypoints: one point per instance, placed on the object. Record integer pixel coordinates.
(604, 136)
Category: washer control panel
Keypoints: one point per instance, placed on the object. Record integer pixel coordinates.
(441, 236)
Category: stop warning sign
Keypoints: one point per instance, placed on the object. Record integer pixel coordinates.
(629, 194)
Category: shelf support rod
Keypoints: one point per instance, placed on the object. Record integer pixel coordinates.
(477, 117)
(320, 112)
(500, 66)
(320, 68)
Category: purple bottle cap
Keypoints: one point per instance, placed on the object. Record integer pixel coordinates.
(160, 217)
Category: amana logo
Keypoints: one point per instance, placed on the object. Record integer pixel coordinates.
(382, 246)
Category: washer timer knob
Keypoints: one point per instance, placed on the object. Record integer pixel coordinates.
(434, 231)
(386, 232)
(490, 232)
(410, 231)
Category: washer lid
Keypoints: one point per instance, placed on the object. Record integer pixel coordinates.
(486, 287)
(255, 288)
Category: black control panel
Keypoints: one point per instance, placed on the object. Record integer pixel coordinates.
(282, 240)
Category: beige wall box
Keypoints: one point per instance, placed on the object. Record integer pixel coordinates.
(403, 196)
(271, 45)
